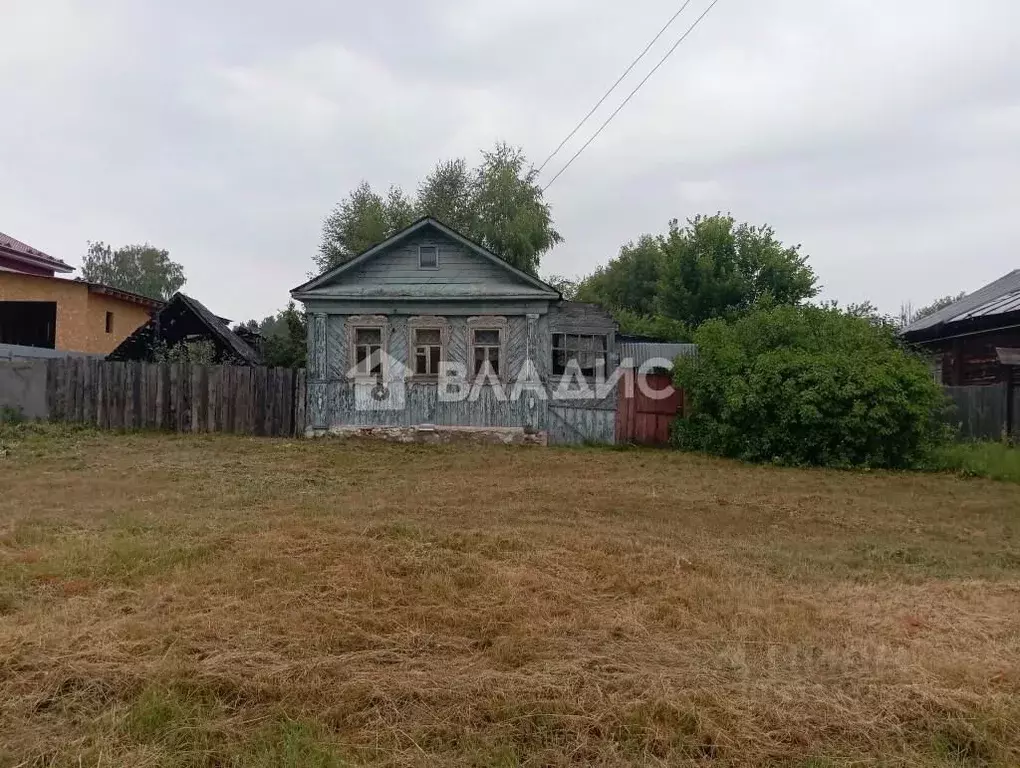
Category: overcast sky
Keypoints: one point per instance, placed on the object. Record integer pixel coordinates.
(883, 135)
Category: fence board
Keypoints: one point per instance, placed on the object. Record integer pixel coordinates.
(980, 412)
(176, 396)
(300, 401)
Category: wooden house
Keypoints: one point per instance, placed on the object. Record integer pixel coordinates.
(177, 326)
(973, 340)
(429, 334)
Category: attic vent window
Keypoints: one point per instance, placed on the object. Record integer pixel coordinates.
(428, 257)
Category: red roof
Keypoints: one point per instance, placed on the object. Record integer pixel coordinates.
(14, 248)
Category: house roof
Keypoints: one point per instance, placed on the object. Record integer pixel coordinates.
(410, 230)
(997, 298)
(137, 344)
(117, 293)
(15, 248)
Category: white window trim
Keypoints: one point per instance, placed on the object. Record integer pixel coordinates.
(427, 322)
(488, 323)
(364, 322)
(420, 266)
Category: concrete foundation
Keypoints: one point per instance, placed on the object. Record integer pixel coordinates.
(439, 434)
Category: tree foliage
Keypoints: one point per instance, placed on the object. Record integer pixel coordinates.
(807, 385)
(707, 268)
(284, 338)
(498, 204)
(142, 269)
(630, 281)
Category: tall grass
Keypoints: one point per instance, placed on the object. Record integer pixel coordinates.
(994, 460)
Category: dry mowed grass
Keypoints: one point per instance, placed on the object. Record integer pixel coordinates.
(217, 601)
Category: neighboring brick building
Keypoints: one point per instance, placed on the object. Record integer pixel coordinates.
(40, 310)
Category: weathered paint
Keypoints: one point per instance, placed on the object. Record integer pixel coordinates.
(336, 399)
(643, 419)
(469, 289)
(395, 273)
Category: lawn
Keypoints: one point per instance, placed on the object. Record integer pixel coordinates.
(222, 601)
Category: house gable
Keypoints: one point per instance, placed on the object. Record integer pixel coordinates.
(391, 270)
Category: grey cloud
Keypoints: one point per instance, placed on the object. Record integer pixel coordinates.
(880, 135)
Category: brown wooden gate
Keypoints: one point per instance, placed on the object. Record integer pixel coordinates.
(643, 419)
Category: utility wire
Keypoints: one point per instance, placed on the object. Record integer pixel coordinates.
(631, 94)
(613, 87)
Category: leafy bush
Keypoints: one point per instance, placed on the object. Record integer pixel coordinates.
(808, 385)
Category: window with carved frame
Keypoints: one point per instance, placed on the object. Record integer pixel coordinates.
(427, 344)
(487, 338)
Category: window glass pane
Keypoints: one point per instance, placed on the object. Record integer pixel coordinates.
(369, 336)
(559, 361)
(428, 256)
(557, 340)
(601, 343)
(494, 360)
(427, 336)
(572, 343)
(487, 337)
(421, 363)
(479, 360)
(434, 359)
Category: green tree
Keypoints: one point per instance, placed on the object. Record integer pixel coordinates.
(713, 267)
(284, 337)
(447, 194)
(142, 269)
(356, 224)
(808, 385)
(567, 286)
(499, 204)
(657, 327)
(628, 282)
(510, 217)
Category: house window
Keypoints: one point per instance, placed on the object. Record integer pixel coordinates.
(109, 322)
(428, 257)
(428, 351)
(368, 351)
(485, 344)
(587, 349)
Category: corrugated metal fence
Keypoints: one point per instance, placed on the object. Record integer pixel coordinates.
(179, 397)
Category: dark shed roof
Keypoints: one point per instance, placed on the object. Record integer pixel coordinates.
(182, 319)
(999, 298)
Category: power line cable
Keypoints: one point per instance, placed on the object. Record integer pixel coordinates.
(631, 94)
(613, 87)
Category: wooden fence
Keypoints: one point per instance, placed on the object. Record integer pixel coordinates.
(178, 397)
(987, 412)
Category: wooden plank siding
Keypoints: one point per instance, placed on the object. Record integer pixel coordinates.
(644, 420)
(335, 401)
(461, 273)
(177, 397)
